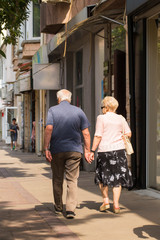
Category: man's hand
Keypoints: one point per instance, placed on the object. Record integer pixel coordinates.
(88, 156)
(48, 156)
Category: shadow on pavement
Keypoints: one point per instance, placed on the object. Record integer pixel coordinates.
(150, 230)
(14, 173)
(144, 206)
(30, 223)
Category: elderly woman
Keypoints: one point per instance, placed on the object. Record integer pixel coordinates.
(112, 170)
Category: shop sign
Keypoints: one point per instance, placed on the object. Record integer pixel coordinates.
(46, 76)
(17, 88)
(25, 82)
(41, 56)
(4, 92)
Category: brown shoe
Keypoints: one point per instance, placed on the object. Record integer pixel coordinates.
(104, 207)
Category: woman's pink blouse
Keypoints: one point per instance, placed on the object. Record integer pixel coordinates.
(110, 127)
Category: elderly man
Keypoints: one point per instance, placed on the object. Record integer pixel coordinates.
(65, 123)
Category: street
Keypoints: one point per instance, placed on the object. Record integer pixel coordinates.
(26, 206)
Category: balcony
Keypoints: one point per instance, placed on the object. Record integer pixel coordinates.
(15, 64)
(30, 47)
(54, 16)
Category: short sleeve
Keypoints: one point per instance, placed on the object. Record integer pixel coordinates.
(99, 126)
(84, 121)
(126, 127)
(49, 117)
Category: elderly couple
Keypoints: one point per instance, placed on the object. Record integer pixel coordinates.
(63, 149)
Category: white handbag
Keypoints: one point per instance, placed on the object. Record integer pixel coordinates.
(127, 143)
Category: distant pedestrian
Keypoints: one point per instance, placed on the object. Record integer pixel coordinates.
(14, 134)
(63, 148)
(112, 169)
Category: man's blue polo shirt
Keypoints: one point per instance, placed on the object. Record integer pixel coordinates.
(68, 121)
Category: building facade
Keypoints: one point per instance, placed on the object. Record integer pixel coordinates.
(17, 91)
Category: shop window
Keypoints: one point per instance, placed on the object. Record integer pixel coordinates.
(79, 79)
(36, 19)
(118, 69)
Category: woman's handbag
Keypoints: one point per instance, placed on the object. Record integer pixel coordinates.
(128, 145)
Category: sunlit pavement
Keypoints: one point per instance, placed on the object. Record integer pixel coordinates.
(26, 206)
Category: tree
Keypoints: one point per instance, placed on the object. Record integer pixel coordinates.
(13, 13)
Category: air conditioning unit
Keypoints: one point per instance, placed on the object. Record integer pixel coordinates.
(56, 1)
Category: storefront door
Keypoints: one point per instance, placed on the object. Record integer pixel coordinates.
(153, 105)
(10, 113)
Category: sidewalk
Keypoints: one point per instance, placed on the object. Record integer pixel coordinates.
(26, 206)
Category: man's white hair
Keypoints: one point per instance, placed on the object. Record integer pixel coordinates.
(63, 95)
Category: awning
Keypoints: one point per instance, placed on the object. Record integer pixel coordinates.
(80, 23)
(25, 66)
(106, 5)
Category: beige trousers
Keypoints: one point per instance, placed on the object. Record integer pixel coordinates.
(68, 163)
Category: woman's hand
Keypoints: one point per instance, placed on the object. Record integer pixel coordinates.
(92, 156)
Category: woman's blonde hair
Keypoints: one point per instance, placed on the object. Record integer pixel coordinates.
(111, 103)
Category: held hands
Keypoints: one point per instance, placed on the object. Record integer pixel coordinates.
(89, 156)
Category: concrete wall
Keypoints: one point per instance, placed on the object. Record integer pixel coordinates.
(99, 62)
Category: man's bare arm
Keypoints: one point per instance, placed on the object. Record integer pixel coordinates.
(47, 138)
(87, 144)
(87, 139)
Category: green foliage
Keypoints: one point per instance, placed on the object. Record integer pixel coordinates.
(118, 38)
(2, 53)
(12, 15)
